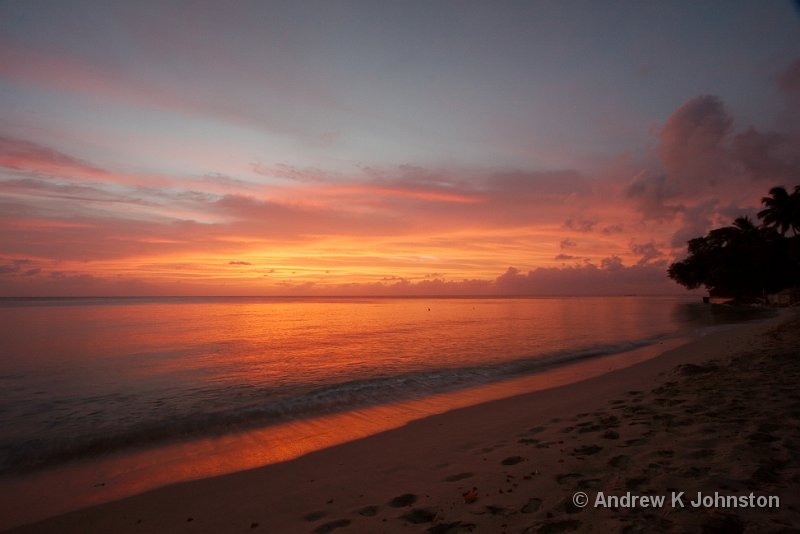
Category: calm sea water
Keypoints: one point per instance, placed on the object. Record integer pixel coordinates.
(85, 376)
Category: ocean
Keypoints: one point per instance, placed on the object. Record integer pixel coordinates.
(149, 391)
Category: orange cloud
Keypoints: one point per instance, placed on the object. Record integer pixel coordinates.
(70, 225)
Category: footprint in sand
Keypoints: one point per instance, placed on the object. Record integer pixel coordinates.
(555, 527)
(567, 477)
(700, 454)
(635, 442)
(313, 516)
(451, 528)
(587, 450)
(333, 525)
(498, 510)
(588, 483)
(695, 472)
(642, 410)
(513, 460)
(609, 421)
(457, 477)
(685, 421)
(762, 437)
(768, 472)
(368, 511)
(769, 427)
(531, 506)
(419, 516)
(619, 461)
(407, 499)
(634, 483)
(723, 523)
(570, 507)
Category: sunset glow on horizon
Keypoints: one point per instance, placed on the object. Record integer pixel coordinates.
(359, 148)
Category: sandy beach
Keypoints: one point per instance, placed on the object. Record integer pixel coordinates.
(718, 417)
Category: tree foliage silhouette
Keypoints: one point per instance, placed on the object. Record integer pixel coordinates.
(782, 210)
(744, 260)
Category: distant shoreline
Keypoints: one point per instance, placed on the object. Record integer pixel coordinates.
(322, 297)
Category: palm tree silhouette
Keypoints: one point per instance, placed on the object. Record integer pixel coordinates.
(745, 260)
(781, 210)
(739, 231)
(744, 225)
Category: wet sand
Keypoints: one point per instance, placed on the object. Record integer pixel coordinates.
(721, 414)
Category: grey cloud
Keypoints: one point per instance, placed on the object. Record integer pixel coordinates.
(648, 252)
(612, 278)
(20, 154)
(613, 229)
(696, 221)
(691, 142)
(613, 263)
(12, 267)
(580, 224)
(789, 79)
(770, 157)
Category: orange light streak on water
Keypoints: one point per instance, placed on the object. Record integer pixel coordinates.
(85, 483)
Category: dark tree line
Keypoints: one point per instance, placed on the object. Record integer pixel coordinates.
(744, 260)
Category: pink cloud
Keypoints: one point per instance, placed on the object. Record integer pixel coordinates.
(771, 158)
(427, 194)
(58, 284)
(580, 224)
(440, 200)
(21, 155)
(692, 142)
(613, 229)
(402, 217)
(408, 218)
(789, 80)
(695, 158)
(705, 164)
(654, 196)
(65, 73)
(611, 278)
(120, 84)
(650, 254)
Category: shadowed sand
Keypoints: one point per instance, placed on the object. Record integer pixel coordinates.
(719, 414)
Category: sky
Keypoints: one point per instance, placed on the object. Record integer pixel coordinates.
(384, 148)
